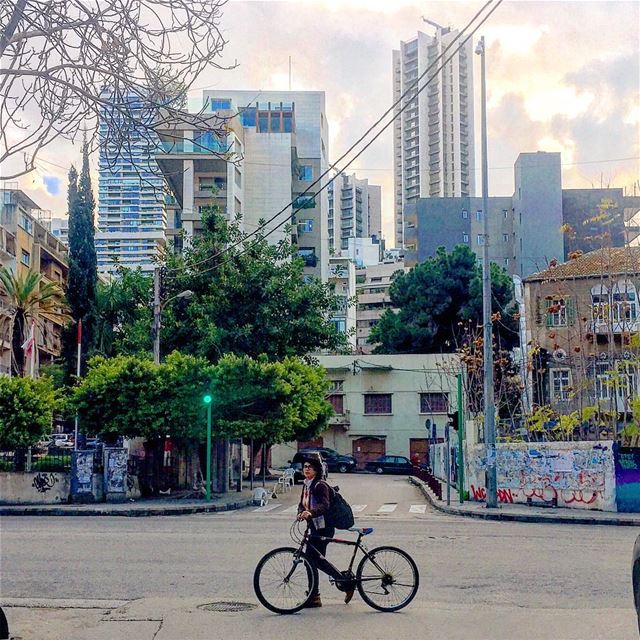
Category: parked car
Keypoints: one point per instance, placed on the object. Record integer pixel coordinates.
(335, 461)
(635, 573)
(390, 464)
(298, 460)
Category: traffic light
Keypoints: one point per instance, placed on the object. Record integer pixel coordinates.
(207, 398)
(453, 420)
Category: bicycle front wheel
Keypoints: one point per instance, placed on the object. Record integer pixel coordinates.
(284, 581)
(387, 579)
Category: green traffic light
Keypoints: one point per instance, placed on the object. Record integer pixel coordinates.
(207, 399)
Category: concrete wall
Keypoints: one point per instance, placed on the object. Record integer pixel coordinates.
(578, 475)
(43, 487)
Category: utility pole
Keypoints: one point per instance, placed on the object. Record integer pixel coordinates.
(207, 400)
(460, 441)
(156, 315)
(78, 371)
(489, 406)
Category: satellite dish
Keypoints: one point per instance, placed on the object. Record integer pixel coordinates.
(627, 355)
(559, 355)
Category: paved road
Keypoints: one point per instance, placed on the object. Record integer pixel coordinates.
(479, 579)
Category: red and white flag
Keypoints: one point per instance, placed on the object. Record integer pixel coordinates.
(27, 347)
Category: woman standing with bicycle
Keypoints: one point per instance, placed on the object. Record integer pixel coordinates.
(315, 502)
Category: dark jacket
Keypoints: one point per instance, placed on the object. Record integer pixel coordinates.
(319, 489)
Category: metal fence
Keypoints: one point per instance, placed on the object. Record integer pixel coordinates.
(27, 460)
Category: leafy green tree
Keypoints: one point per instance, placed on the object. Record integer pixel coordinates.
(26, 411)
(123, 314)
(34, 301)
(82, 279)
(251, 300)
(437, 300)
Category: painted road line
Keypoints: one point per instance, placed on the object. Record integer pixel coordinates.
(267, 507)
(293, 509)
(418, 508)
(389, 507)
(357, 508)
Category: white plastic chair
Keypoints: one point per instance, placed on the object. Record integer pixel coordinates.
(261, 496)
(286, 480)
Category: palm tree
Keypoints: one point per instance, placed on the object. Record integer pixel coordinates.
(34, 301)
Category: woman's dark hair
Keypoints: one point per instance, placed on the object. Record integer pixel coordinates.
(316, 464)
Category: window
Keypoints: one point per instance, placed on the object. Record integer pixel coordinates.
(557, 309)
(340, 324)
(336, 385)
(26, 223)
(505, 213)
(434, 402)
(308, 254)
(379, 403)
(560, 384)
(603, 381)
(306, 173)
(625, 383)
(480, 239)
(305, 225)
(220, 103)
(25, 258)
(465, 214)
(624, 306)
(505, 237)
(237, 177)
(337, 402)
(600, 304)
(506, 262)
(465, 237)
(479, 215)
(304, 202)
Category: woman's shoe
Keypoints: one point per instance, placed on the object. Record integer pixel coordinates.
(314, 602)
(348, 595)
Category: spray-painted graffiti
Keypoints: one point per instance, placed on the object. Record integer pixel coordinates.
(572, 474)
(627, 463)
(43, 482)
(504, 495)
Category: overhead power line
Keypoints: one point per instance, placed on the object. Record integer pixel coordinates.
(410, 91)
(413, 90)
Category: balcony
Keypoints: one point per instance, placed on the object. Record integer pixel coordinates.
(341, 420)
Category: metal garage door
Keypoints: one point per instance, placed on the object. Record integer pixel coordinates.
(366, 449)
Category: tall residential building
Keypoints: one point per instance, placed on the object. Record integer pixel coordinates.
(26, 244)
(433, 137)
(60, 229)
(131, 214)
(355, 210)
(342, 282)
(372, 286)
(278, 146)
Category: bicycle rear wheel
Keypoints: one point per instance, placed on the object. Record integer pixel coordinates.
(387, 579)
(283, 581)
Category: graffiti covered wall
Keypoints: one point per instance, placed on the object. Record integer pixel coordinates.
(43, 487)
(627, 462)
(579, 475)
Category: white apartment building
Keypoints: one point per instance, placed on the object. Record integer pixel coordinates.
(355, 210)
(131, 214)
(60, 229)
(274, 148)
(433, 137)
(364, 252)
(342, 281)
(372, 287)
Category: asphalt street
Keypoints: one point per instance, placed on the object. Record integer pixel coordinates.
(479, 579)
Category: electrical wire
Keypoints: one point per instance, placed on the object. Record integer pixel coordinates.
(367, 145)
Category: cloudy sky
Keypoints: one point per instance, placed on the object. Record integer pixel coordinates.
(562, 76)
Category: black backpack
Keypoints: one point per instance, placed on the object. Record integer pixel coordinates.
(339, 515)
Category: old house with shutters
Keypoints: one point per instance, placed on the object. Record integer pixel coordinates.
(581, 316)
(384, 405)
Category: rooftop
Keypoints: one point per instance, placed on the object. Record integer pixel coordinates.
(607, 261)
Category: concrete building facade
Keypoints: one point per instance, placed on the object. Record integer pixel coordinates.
(131, 214)
(355, 210)
(342, 281)
(372, 286)
(434, 136)
(382, 405)
(26, 244)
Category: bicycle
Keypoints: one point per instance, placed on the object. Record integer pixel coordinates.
(387, 578)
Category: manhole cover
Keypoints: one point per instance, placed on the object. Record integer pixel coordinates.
(227, 606)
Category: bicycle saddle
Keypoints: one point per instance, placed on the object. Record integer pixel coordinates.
(365, 532)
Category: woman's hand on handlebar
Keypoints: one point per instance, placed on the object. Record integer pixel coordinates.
(304, 515)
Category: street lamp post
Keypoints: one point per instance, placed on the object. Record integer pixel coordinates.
(207, 401)
(489, 406)
(157, 311)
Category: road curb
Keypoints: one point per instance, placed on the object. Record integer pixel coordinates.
(519, 517)
(127, 513)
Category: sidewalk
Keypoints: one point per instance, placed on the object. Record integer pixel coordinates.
(135, 508)
(523, 513)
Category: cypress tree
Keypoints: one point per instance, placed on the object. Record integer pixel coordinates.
(82, 280)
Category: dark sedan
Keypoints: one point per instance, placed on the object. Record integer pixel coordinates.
(390, 464)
